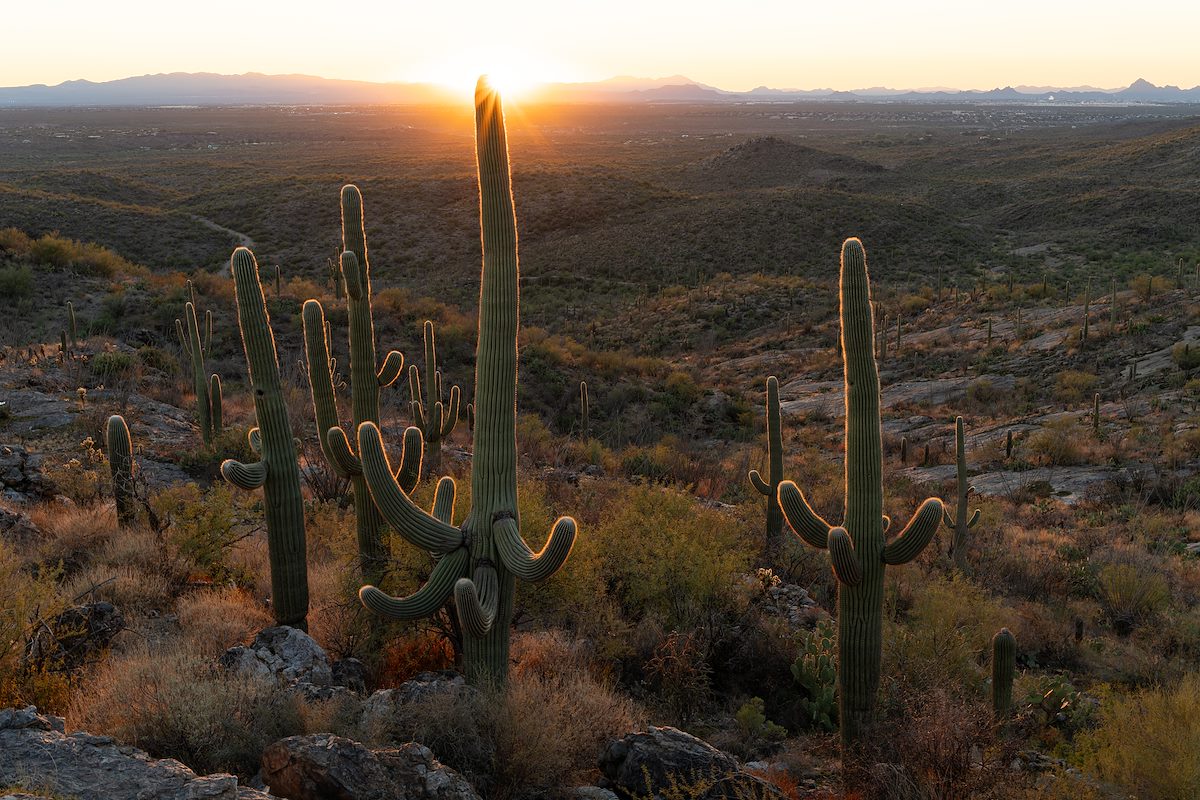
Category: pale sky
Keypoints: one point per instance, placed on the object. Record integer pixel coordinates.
(736, 44)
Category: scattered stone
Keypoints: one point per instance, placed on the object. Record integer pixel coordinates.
(75, 636)
(36, 752)
(587, 793)
(287, 655)
(380, 708)
(654, 760)
(789, 602)
(17, 528)
(351, 673)
(21, 475)
(321, 766)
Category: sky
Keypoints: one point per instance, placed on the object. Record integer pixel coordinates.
(734, 44)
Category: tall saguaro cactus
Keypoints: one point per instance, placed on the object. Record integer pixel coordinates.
(435, 418)
(481, 560)
(120, 463)
(207, 388)
(277, 472)
(1004, 665)
(367, 377)
(858, 549)
(769, 487)
(959, 522)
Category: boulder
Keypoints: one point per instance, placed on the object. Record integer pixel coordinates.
(380, 708)
(327, 767)
(75, 636)
(35, 752)
(654, 761)
(21, 477)
(286, 655)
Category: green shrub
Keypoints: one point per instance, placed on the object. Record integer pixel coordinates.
(1056, 443)
(114, 364)
(1186, 357)
(16, 282)
(1147, 742)
(815, 669)
(85, 258)
(1072, 386)
(15, 241)
(1131, 595)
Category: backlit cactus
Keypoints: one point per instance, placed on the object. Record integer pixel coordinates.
(366, 379)
(431, 415)
(769, 487)
(207, 388)
(959, 522)
(1004, 666)
(277, 472)
(120, 463)
(858, 549)
(480, 561)
(584, 409)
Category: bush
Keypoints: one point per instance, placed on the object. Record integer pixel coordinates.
(1147, 742)
(1056, 443)
(815, 669)
(1131, 595)
(1072, 386)
(16, 282)
(114, 364)
(23, 597)
(1186, 357)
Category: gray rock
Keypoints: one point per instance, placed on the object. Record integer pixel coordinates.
(17, 528)
(653, 760)
(35, 752)
(287, 655)
(21, 475)
(593, 793)
(381, 706)
(350, 673)
(322, 766)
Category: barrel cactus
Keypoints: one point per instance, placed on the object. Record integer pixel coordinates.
(480, 561)
(769, 487)
(959, 522)
(277, 472)
(120, 462)
(858, 549)
(431, 414)
(367, 377)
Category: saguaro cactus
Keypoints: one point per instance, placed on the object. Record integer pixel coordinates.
(481, 560)
(277, 472)
(1004, 665)
(72, 325)
(584, 407)
(858, 549)
(769, 488)
(435, 418)
(120, 462)
(366, 379)
(207, 388)
(959, 522)
(1087, 305)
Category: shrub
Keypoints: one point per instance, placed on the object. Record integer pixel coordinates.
(680, 674)
(1186, 357)
(24, 596)
(85, 258)
(1147, 742)
(1056, 443)
(16, 282)
(815, 669)
(15, 241)
(114, 364)
(1131, 595)
(1072, 386)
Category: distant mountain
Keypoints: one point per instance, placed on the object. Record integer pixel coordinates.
(202, 88)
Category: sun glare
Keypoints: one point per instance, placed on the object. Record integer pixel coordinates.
(514, 75)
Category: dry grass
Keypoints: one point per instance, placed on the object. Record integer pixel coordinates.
(213, 621)
(72, 532)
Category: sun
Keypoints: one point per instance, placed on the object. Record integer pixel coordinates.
(515, 75)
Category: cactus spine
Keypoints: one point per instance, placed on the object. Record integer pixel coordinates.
(207, 388)
(480, 561)
(277, 472)
(1004, 665)
(120, 462)
(959, 522)
(434, 418)
(858, 549)
(769, 488)
(366, 379)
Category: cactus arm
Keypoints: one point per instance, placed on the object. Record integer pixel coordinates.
(451, 417)
(521, 560)
(443, 500)
(758, 483)
(414, 391)
(183, 339)
(478, 600)
(340, 454)
(254, 439)
(843, 558)
(887, 523)
(409, 472)
(320, 380)
(974, 519)
(244, 476)
(426, 600)
(411, 522)
(807, 523)
(393, 365)
(949, 520)
(909, 543)
(208, 328)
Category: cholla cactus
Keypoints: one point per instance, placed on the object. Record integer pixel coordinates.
(435, 418)
(207, 388)
(367, 377)
(858, 549)
(481, 560)
(959, 522)
(120, 462)
(769, 488)
(277, 472)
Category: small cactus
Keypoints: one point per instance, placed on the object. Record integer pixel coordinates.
(1008, 445)
(435, 419)
(1096, 413)
(769, 488)
(1087, 303)
(1004, 665)
(584, 430)
(195, 343)
(120, 462)
(277, 472)
(959, 522)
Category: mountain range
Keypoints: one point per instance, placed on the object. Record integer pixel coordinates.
(202, 88)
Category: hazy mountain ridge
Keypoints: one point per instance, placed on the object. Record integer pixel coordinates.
(181, 88)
